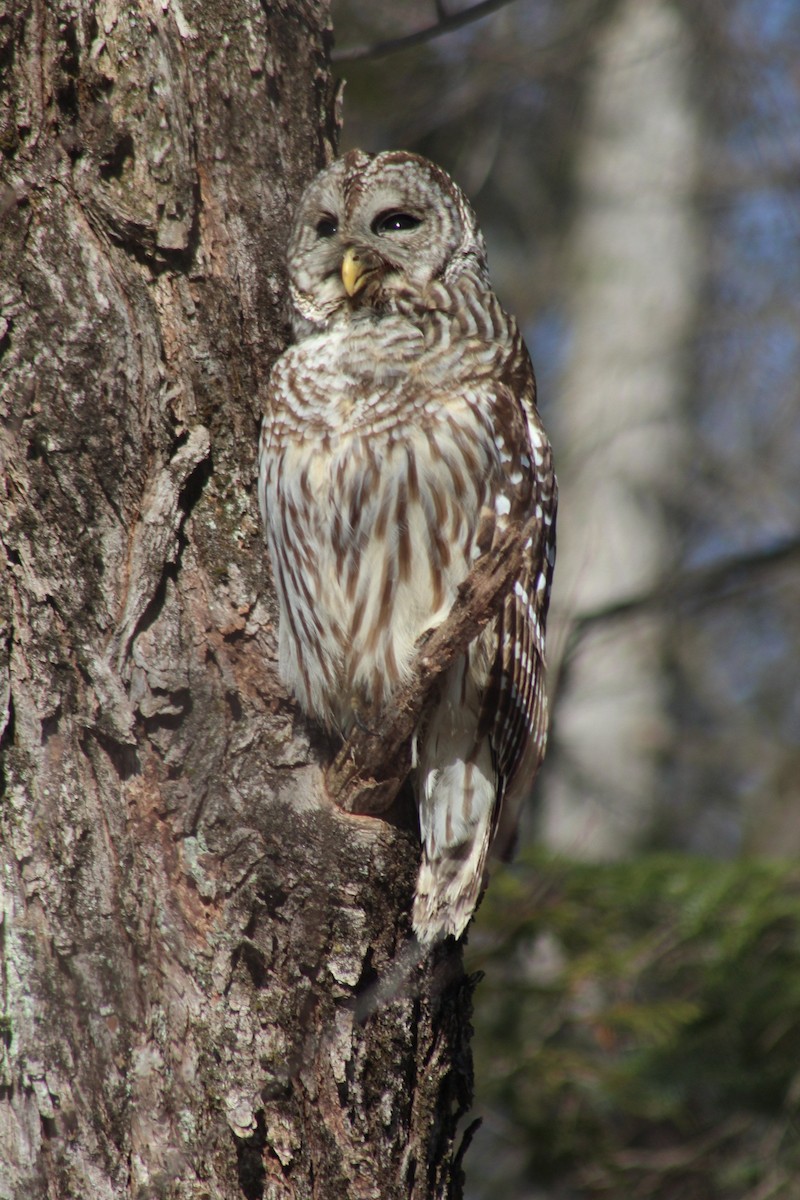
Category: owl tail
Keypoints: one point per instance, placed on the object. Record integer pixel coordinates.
(456, 790)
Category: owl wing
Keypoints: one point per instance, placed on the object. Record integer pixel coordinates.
(514, 709)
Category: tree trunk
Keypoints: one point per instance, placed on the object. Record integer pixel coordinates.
(635, 270)
(198, 949)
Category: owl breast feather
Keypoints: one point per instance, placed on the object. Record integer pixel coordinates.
(374, 494)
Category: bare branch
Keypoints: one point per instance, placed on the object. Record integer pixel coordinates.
(700, 587)
(369, 770)
(446, 23)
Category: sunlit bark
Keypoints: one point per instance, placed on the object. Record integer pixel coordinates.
(191, 935)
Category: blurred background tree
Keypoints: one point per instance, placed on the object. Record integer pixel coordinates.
(635, 165)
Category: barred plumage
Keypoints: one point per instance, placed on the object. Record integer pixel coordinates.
(402, 435)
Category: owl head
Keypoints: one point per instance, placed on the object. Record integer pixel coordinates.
(374, 226)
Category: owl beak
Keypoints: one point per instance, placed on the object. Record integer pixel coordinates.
(355, 271)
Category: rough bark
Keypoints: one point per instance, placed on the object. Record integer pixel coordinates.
(205, 983)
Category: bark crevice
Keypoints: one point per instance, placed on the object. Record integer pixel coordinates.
(200, 953)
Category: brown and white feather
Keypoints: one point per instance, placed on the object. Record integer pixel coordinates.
(402, 436)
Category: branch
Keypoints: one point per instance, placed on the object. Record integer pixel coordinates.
(371, 766)
(700, 586)
(446, 23)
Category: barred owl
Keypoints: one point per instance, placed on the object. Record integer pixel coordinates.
(401, 436)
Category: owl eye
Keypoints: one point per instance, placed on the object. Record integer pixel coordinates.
(327, 227)
(395, 222)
